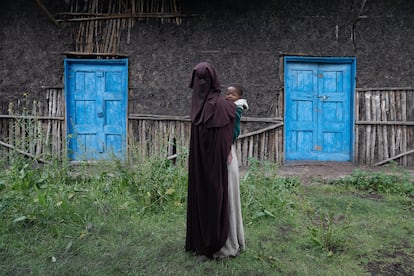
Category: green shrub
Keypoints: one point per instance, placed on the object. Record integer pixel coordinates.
(396, 182)
(264, 194)
(64, 196)
(156, 184)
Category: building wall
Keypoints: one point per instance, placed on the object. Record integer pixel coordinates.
(31, 49)
(242, 39)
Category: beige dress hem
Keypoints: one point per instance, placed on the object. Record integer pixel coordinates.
(235, 240)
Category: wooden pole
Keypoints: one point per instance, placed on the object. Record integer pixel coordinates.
(356, 137)
(392, 118)
(394, 157)
(126, 16)
(377, 116)
(49, 15)
(368, 129)
(23, 152)
(384, 128)
(404, 118)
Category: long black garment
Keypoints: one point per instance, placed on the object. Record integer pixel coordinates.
(210, 144)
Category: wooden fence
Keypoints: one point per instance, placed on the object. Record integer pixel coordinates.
(37, 128)
(384, 126)
(170, 135)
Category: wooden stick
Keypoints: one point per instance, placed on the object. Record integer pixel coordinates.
(383, 104)
(117, 35)
(24, 153)
(49, 15)
(271, 142)
(238, 152)
(262, 119)
(32, 117)
(187, 118)
(262, 139)
(260, 131)
(39, 138)
(374, 108)
(171, 157)
(55, 129)
(404, 118)
(48, 125)
(376, 111)
(244, 151)
(108, 27)
(158, 117)
(130, 22)
(410, 89)
(394, 157)
(33, 130)
(398, 123)
(368, 129)
(119, 16)
(96, 24)
(356, 135)
(85, 54)
(251, 148)
(392, 118)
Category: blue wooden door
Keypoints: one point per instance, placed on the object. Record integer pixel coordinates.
(318, 120)
(96, 108)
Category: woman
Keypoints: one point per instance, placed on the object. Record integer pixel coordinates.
(212, 123)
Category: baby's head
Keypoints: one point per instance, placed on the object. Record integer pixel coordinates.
(234, 92)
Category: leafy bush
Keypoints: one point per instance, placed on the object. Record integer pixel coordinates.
(156, 184)
(32, 194)
(264, 193)
(74, 195)
(396, 182)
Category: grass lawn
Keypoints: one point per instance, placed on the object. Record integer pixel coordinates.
(130, 219)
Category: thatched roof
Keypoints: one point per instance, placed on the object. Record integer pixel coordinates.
(100, 23)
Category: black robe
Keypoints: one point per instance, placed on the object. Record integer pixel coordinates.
(210, 144)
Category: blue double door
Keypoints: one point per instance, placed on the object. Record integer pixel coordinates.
(318, 109)
(96, 108)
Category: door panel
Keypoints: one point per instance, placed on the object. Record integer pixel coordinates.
(317, 111)
(334, 120)
(300, 113)
(96, 97)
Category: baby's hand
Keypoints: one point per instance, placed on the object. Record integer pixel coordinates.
(242, 103)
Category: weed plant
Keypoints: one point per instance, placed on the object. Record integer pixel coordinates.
(264, 194)
(397, 181)
(63, 194)
(329, 231)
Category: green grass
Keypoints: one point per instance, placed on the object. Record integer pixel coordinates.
(130, 218)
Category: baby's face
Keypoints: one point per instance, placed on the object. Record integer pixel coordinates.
(232, 94)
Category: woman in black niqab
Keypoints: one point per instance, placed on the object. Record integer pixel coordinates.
(212, 124)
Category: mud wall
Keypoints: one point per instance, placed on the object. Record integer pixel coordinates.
(31, 49)
(242, 39)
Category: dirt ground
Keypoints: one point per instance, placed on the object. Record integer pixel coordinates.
(307, 171)
(402, 262)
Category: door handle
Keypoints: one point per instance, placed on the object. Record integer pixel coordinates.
(323, 97)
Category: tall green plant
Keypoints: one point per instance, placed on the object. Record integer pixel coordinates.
(329, 232)
(265, 194)
(158, 184)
